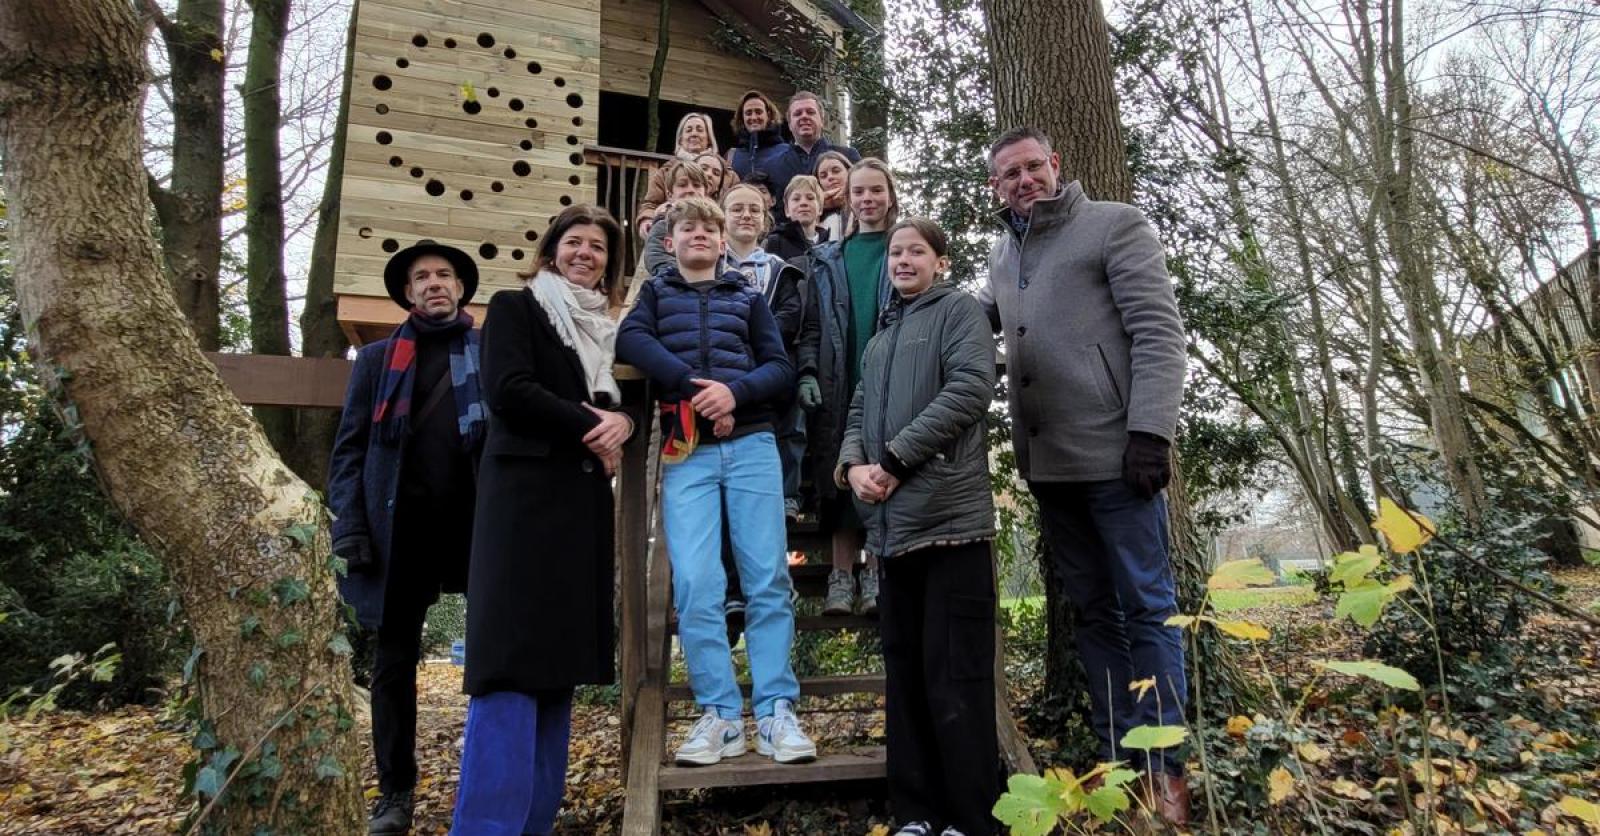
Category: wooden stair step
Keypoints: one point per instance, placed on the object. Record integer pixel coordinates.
(855, 764)
(815, 686)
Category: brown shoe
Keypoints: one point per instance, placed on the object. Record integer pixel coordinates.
(1169, 797)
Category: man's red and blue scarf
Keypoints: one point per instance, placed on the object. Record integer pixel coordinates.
(393, 412)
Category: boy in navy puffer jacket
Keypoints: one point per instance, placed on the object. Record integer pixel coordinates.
(711, 345)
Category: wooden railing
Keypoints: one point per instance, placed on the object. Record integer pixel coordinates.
(623, 175)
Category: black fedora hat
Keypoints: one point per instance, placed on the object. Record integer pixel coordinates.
(397, 272)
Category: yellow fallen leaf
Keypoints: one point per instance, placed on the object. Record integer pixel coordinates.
(1280, 785)
(1142, 686)
(1244, 630)
(216, 55)
(1311, 752)
(471, 95)
(1350, 789)
(879, 830)
(760, 829)
(1587, 812)
(1239, 724)
(1405, 530)
(1180, 621)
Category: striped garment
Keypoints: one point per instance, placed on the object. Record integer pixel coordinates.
(393, 412)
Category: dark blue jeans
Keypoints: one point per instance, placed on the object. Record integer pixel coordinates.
(1110, 554)
(514, 768)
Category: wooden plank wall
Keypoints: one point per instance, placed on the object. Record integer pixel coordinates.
(421, 164)
(697, 72)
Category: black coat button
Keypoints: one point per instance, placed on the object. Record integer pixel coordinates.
(1021, 330)
(1033, 431)
(1026, 381)
(588, 466)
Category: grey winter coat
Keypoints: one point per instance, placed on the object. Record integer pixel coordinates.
(1094, 344)
(926, 382)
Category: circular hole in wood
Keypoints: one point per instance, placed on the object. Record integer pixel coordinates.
(577, 121)
(510, 53)
(526, 145)
(575, 180)
(494, 92)
(574, 100)
(516, 104)
(531, 235)
(572, 140)
(485, 40)
(401, 63)
(435, 188)
(517, 254)
(382, 82)
(365, 232)
(535, 68)
(566, 200)
(466, 194)
(577, 159)
(488, 250)
(449, 43)
(396, 162)
(521, 168)
(472, 108)
(497, 186)
(531, 122)
(416, 171)
(561, 82)
(384, 137)
(382, 109)
(390, 245)
(419, 40)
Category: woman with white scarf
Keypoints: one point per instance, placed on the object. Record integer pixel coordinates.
(540, 584)
(695, 137)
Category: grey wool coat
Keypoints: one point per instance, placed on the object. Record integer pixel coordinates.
(926, 382)
(1094, 344)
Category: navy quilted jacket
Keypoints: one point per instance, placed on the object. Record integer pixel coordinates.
(726, 332)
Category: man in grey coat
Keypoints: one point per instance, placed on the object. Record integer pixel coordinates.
(1095, 364)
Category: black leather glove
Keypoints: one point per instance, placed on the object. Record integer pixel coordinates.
(357, 553)
(1147, 464)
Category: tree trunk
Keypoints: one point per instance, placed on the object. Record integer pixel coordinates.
(244, 540)
(190, 207)
(869, 100)
(265, 284)
(658, 69)
(320, 334)
(1052, 70)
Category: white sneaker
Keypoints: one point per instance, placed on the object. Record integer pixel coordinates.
(779, 737)
(915, 828)
(950, 831)
(710, 740)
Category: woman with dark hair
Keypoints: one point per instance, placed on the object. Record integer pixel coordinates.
(915, 459)
(541, 573)
(758, 135)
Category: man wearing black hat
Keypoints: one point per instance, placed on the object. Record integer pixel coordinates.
(401, 487)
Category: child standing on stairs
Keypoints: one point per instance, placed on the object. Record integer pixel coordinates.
(711, 346)
(915, 458)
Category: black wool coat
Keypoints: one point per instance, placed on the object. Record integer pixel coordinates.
(539, 598)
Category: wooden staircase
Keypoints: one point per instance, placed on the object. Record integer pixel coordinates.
(646, 648)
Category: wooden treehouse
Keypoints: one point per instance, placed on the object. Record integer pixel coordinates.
(473, 123)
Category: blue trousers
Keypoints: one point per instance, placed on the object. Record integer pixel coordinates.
(743, 475)
(514, 767)
(1110, 553)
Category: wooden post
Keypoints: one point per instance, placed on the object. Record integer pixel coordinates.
(632, 537)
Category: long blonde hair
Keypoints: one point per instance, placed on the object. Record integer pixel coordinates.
(893, 213)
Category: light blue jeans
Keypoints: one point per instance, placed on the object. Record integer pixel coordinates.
(743, 473)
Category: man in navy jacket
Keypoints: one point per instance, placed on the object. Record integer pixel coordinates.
(807, 120)
(401, 488)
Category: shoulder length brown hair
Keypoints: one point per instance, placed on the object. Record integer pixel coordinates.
(578, 215)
